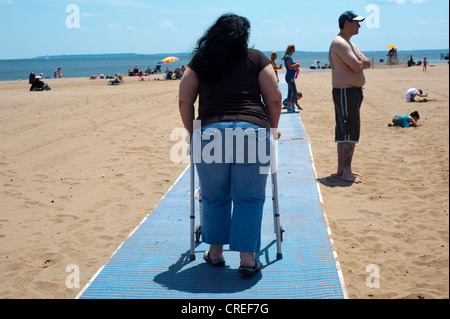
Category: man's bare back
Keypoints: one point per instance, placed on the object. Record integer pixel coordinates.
(347, 64)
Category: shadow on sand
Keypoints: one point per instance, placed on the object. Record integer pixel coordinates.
(334, 181)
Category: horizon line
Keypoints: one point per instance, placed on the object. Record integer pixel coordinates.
(165, 53)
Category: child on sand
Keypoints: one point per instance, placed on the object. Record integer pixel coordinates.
(285, 103)
(405, 120)
(425, 64)
(413, 92)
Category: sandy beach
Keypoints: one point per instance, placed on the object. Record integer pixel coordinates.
(83, 164)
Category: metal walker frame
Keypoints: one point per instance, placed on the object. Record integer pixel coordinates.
(195, 231)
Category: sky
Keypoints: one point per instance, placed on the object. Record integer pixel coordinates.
(30, 28)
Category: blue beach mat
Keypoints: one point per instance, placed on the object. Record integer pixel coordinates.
(154, 262)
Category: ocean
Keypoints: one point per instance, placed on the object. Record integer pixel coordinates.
(110, 64)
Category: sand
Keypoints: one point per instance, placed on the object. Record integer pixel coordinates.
(397, 219)
(83, 164)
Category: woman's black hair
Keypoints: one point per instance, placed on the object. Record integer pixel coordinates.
(224, 44)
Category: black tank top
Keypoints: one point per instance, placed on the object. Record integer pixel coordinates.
(237, 96)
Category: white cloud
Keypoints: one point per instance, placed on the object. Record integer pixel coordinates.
(88, 14)
(6, 2)
(113, 26)
(168, 25)
(134, 4)
(423, 22)
(400, 2)
(326, 30)
(438, 22)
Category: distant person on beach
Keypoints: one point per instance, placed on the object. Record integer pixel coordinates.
(392, 52)
(229, 80)
(299, 96)
(39, 85)
(118, 79)
(297, 104)
(57, 72)
(405, 121)
(348, 79)
(273, 57)
(412, 93)
(291, 68)
(177, 74)
(425, 64)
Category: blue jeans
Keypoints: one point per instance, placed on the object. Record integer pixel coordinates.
(233, 183)
(292, 89)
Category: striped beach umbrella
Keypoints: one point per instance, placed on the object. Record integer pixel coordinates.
(169, 59)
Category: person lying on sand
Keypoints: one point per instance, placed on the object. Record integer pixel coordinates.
(405, 120)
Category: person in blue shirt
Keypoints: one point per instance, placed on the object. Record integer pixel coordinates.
(291, 68)
(405, 120)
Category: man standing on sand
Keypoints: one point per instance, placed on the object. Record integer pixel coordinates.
(347, 64)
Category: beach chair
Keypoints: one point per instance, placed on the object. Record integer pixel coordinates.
(196, 230)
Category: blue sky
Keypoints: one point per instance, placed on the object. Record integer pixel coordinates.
(31, 28)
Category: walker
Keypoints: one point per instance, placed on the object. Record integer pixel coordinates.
(196, 230)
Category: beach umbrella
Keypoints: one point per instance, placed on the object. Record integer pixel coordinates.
(169, 59)
(392, 46)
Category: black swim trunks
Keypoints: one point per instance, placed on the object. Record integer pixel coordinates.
(347, 103)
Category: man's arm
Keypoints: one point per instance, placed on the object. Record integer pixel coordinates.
(348, 55)
(367, 64)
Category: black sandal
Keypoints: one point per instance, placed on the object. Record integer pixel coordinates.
(250, 271)
(218, 263)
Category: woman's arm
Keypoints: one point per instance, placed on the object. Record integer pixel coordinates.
(271, 94)
(292, 66)
(187, 95)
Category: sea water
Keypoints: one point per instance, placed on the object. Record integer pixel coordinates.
(111, 64)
